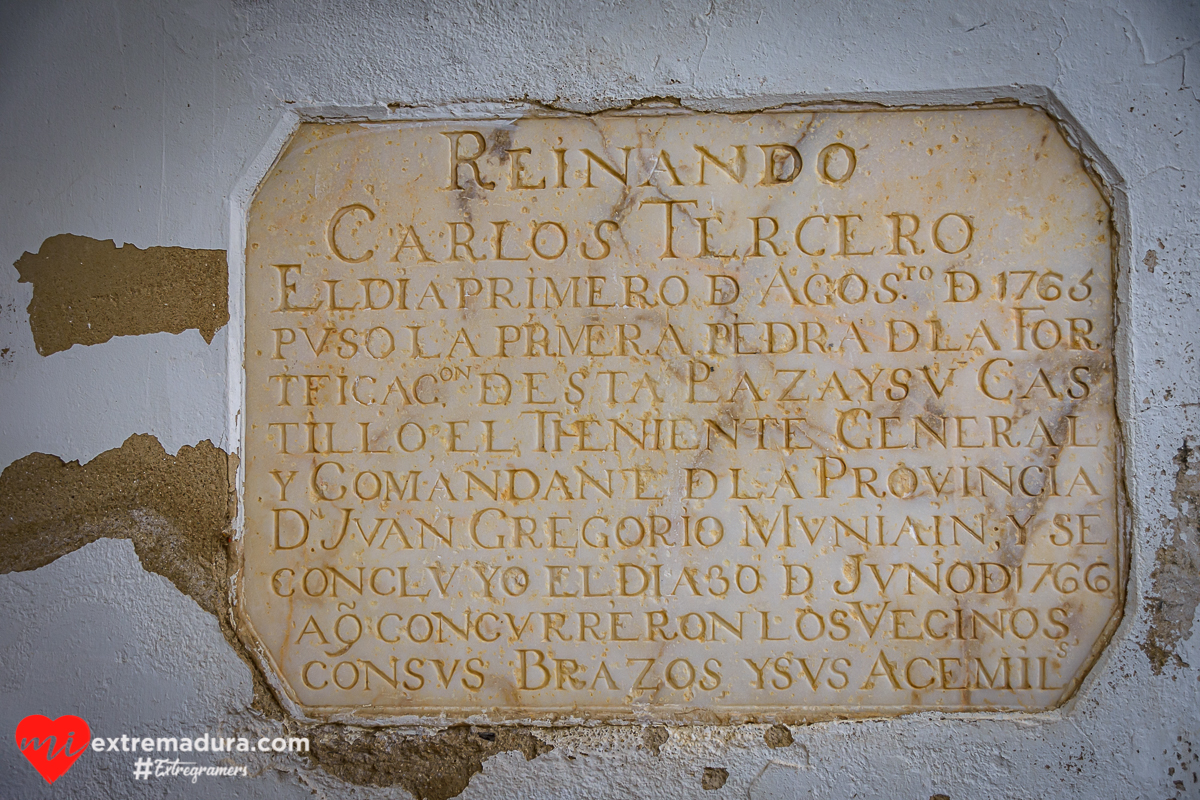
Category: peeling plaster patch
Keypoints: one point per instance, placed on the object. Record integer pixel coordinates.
(778, 736)
(1176, 587)
(49, 508)
(86, 291)
(654, 737)
(175, 509)
(433, 767)
(714, 778)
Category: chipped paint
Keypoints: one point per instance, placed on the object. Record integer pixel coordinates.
(654, 737)
(778, 736)
(714, 778)
(86, 291)
(175, 509)
(1172, 603)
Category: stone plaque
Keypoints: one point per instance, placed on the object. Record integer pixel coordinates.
(696, 417)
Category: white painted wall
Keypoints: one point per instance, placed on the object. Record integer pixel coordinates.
(134, 120)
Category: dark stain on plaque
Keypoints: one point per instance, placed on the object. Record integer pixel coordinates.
(1176, 592)
(434, 767)
(86, 291)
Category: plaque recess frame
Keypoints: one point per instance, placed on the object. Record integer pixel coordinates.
(273, 151)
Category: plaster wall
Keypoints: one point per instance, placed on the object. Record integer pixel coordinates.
(139, 122)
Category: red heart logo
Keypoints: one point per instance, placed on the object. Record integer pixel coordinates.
(51, 744)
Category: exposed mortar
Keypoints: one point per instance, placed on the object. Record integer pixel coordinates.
(434, 767)
(86, 291)
(654, 737)
(778, 736)
(1175, 579)
(714, 778)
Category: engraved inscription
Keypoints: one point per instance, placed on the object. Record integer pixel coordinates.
(689, 416)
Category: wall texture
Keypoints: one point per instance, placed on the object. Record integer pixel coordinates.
(137, 122)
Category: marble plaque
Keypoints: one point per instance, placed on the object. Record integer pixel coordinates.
(695, 417)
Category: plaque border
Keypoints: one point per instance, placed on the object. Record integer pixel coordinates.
(1100, 170)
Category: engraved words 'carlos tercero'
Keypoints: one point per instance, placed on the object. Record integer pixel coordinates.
(689, 416)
